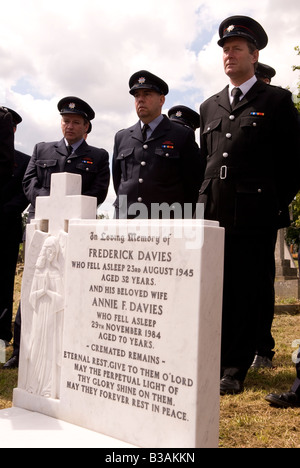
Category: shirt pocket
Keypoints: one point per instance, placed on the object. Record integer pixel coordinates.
(254, 128)
(87, 168)
(166, 166)
(211, 134)
(45, 168)
(168, 154)
(126, 160)
(253, 121)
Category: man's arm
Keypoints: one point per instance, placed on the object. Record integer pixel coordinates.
(30, 181)
(192, 169)
(287, 129)
(116, 167)
(100, 185)
(14, 200)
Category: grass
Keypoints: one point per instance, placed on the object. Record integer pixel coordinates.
(9, 379)
(247, 420)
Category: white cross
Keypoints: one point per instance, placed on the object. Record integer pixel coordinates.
(64, 203)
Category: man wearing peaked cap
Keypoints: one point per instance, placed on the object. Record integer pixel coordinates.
(265, 341)
(265, 72)
(185, 116)
(74, 105)
(13, 204)
(244, 27)
(71, 154)
(16, 118)
(156, 161)
(250, 140)
(146, 80)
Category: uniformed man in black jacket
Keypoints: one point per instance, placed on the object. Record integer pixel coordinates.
(156, 161)
(6, 144)
(265, 342)
(13, 204)
(71, 154)
(250, 139)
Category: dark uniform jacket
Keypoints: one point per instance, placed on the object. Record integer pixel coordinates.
(49, 158)
(13, 204)
(6, 144)
(163, 169)
(14, 201)
(252, 158)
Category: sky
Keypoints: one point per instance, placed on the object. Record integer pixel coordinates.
(50, 49)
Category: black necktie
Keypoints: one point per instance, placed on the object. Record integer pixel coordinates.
(69, 149)
(144, 131)
(236, 93)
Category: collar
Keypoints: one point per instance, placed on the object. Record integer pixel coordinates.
(76, 145)
(244, 87)
(155, 123)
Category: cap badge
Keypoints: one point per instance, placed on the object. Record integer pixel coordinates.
(72, 105)
(142, 80)
(230, 28)
(178, 114)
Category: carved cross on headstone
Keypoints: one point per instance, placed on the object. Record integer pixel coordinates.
(64, 203)
(43, 282)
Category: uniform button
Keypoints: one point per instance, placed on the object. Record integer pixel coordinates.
(231, 117)
(145, 147)
(140, 200)
(254, 124)
(45, 165)
(87, 169)
(143, 163)
(228, 135)
(259, 190)
(167, 155)
(69, 161)
(225, 155)
(141, 181)
(208, 129)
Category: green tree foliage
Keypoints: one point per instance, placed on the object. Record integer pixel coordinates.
(297, 67)
(293, 233)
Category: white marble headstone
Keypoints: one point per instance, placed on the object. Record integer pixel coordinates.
(140, 352)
